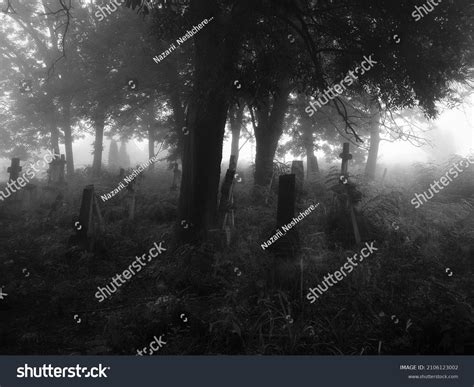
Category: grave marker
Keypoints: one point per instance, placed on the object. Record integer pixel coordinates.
(89, 228)
(15, 169)
(288, 245)
(56, 170)
(297, 169)
(346, 156)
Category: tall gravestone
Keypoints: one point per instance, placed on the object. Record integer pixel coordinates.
(297, 169)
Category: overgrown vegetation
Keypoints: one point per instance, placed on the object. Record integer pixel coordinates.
(401, 300)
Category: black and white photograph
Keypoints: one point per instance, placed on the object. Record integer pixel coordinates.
(237, 177)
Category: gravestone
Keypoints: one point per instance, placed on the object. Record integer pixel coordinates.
(56, 170)
(297, 169)
(15, 169)
(90, 225)
(288, 245)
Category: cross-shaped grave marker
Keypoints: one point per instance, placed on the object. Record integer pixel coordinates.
(15, 169)
(346, 156)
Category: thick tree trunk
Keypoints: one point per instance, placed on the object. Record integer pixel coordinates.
(236, 118)
(98, 144)
(268, 132)
(371, 165)
(68, 137)
(206, 120)
(267, 143)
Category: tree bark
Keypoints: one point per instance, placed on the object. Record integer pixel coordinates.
(68, 137)
(178, 112)
(151, 146)
(99, 142)
(268, 132)
(236, 118)
(151, 134)
(53, 129)
(215, 56)
(371, 165)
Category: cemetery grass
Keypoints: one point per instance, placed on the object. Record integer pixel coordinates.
(401, 301)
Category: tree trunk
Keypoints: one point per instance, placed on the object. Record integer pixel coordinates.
(371, 165)
(151, 134)
(151, 146)
(68, 137)
(267, 143)
(54, 129)
(98, 144)
(215, 56)
(236, 118)
(268, 132)
(179, 119)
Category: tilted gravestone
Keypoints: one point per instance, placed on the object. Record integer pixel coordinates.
(297, 169)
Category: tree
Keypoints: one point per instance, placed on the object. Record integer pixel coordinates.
(114, 161)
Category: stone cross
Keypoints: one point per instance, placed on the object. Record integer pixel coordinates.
(345, 156)
(14, 169)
